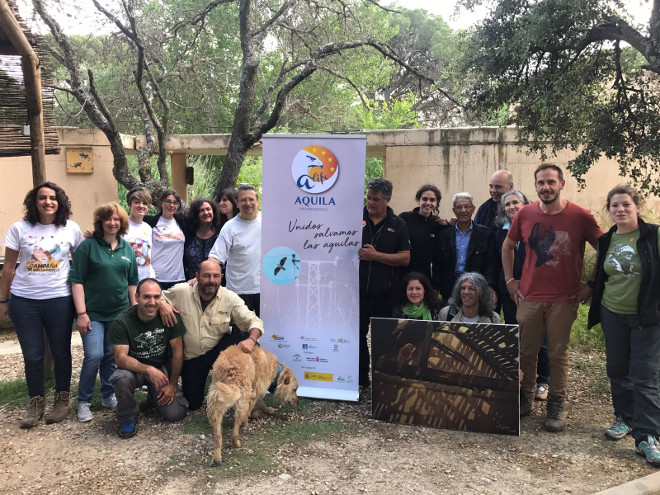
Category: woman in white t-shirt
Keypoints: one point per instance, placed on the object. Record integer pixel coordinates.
(168, 240)
(40, 300)
(140, 234)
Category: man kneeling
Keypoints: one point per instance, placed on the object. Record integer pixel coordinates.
(143, 357)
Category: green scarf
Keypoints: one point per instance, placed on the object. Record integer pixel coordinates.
(420, 312)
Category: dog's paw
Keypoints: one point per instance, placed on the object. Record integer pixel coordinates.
(216, 462)
(236, 443)
(269, 410)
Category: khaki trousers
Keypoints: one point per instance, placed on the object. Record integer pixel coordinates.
(557, 318)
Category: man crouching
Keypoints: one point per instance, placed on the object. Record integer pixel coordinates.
(142, 356)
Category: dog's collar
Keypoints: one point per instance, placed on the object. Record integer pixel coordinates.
(273, 385)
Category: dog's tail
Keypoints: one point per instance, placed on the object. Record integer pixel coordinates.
(221, 397)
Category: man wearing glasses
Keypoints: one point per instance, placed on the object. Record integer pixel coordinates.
(465, 247)
(238, 247)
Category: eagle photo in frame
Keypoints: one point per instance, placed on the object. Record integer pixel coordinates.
(461, 376)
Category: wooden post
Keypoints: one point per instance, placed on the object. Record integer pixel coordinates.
(32, 82)
(178, 163)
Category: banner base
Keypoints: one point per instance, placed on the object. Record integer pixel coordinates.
(327, 393)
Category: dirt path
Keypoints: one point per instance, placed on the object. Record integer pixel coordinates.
(355, 455)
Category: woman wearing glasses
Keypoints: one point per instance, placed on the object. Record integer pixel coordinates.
(168, 240)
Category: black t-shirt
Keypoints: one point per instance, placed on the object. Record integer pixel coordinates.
(147, 341)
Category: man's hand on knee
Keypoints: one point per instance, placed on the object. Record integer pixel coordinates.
(158, 378)
(167, 394)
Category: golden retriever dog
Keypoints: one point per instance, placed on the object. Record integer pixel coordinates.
(239, 381)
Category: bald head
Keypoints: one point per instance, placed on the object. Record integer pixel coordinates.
(500, 182)
(209, 276)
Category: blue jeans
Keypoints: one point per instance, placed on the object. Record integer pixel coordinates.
(30, 318)
(98, 358)
(633, 367)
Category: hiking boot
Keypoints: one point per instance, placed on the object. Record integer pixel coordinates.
(110, 402)
(541, 391)
(35, 411)
(127, 428)
(60, 407)
(618, 430)
(650, 449)
(526, 404)
(555, 418)
(84, 414)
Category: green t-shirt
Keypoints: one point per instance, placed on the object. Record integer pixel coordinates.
(147, 341)
(105, 274)
(623, 268)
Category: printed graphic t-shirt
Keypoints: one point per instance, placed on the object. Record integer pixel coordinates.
(555, 250)
(139, 237)
(624, 273)
(44, 258)
(167, 251)
(146, 340)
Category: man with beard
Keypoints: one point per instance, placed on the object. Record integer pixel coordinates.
(550, 290)
(148, 354)
(207, 311)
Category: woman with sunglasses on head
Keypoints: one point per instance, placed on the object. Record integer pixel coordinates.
(626, 302)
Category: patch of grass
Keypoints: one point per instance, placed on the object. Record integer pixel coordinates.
(258, 448)
(580, 336)
(13, 393)
(261, 444)
(594, 368)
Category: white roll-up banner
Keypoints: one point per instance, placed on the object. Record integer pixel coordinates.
(313, 196)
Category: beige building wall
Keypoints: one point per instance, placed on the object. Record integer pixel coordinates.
(86, 191)
(462, 160)
(455, 160)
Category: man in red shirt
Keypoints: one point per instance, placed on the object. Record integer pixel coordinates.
(549, 291)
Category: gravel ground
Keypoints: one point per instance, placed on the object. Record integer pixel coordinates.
(367, 457)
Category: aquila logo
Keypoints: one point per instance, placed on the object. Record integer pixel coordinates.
(315, 169)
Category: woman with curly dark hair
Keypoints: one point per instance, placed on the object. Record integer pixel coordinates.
(40, 300)
(203, 225)
(103, 280)
(416, 298)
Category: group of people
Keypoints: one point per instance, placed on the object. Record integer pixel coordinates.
(526, 259)
(147, 298)
(113, 289)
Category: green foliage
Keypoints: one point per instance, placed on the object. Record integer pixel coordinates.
(560, 69)
(593, 338)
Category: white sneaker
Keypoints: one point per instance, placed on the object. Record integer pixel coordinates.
(110, 402)
(84, 414)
